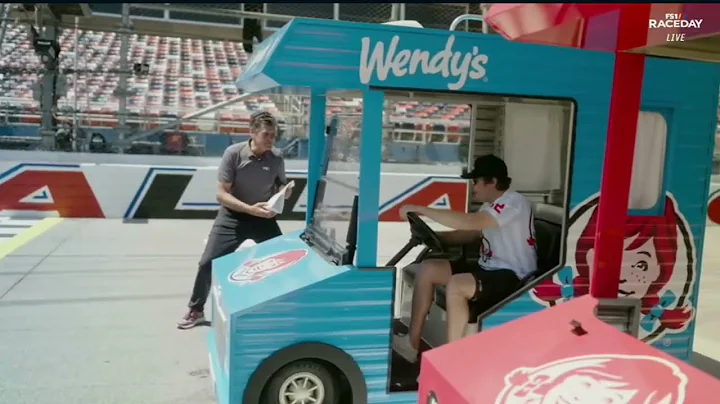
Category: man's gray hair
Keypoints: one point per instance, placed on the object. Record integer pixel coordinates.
(261, 119)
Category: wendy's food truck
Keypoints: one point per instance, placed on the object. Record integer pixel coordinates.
(616, 154)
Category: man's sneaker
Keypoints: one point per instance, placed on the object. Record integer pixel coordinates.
(401, 344)
(191, 319)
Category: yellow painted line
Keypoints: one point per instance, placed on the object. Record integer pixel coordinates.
(28, 235)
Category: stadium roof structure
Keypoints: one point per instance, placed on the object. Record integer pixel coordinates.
(58, 11)
(216, 22)
(596, 27)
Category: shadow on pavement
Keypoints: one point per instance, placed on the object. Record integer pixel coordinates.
(706, 364)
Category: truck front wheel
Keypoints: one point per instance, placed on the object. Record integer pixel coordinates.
(302, 382)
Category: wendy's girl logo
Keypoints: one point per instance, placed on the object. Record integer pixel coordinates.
(604, 378)
(258, 269)
(658, 267)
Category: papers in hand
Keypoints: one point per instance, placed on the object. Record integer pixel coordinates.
(276, 203)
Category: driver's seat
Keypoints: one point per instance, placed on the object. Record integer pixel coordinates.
(548, 234)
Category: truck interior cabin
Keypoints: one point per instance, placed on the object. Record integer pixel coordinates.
(535, 138)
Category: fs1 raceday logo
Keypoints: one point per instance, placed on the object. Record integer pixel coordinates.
(676, 21)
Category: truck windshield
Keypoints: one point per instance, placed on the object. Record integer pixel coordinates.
(338, 186)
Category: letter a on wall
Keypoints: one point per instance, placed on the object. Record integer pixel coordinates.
(48, 188)
(436, 193)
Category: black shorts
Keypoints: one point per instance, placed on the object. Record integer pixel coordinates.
(491, 286)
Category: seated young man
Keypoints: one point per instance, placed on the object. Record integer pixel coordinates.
(505, 226)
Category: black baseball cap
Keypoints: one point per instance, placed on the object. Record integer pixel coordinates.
(488, 166)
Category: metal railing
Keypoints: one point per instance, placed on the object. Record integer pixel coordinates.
(83, 107)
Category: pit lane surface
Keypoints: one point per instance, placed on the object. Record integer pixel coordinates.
(88, 312)
(16, 232)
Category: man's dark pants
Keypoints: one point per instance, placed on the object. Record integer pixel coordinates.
(225, 237)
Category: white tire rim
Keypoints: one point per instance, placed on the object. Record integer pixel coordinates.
(302, 388)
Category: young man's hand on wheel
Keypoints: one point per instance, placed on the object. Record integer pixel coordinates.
(405, 209)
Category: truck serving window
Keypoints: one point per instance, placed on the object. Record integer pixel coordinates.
(648, 166)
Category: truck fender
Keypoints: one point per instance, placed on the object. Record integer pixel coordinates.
(306, 350)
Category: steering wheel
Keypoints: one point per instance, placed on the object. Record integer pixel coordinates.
(423, 233)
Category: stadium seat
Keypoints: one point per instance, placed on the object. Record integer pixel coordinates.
(189, 74)
(212, 65)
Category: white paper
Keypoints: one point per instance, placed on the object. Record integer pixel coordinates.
(276, 203)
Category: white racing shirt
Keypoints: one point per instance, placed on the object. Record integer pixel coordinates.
(512, 244)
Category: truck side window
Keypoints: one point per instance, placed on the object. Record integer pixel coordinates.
(649, 163)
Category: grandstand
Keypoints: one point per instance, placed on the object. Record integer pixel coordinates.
(185, 75)
(188, 74)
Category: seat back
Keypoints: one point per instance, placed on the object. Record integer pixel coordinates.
(548, 237)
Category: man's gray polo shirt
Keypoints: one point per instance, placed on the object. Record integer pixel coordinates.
(254, 179)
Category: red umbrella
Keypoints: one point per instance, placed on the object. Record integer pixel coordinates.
(552, 24)
(596, 26)
(546, 357)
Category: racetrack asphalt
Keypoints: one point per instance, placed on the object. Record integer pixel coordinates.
(88, 312)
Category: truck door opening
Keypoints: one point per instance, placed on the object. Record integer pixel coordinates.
(535, 138)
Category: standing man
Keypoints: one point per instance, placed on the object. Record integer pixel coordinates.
(249, 174)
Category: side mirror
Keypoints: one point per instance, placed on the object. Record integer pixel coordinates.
(464, 171)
